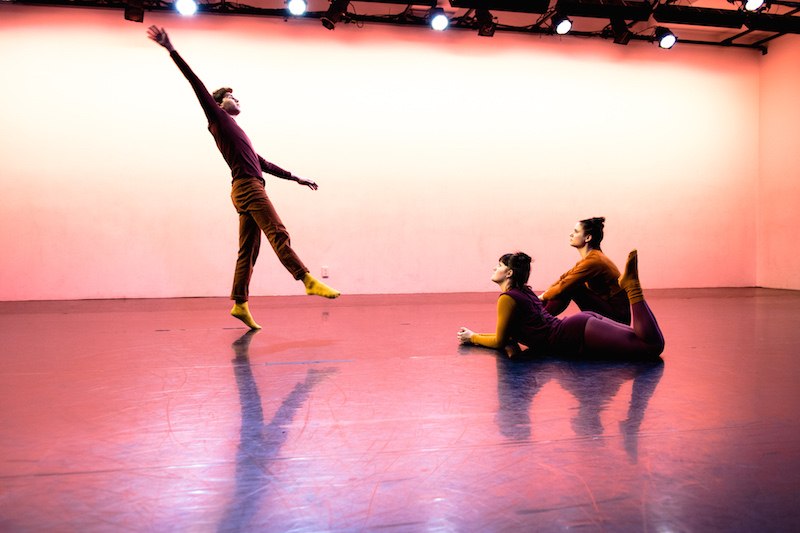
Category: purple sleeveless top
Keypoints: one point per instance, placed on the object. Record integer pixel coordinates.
(537, 329)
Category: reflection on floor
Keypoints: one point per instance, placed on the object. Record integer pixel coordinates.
(363, 413)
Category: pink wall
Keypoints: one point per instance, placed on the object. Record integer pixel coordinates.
(779, 184)
(435, 153)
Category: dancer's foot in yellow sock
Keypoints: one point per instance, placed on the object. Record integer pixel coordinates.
(242, 312)
(629, 280)
(314, 286)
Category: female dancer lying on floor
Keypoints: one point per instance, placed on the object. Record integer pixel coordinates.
(522, 319)
(592, 282)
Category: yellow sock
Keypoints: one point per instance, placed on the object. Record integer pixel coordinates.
(314, 286)
(242, 312)
(629, 280)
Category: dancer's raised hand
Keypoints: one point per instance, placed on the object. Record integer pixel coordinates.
(160, 36)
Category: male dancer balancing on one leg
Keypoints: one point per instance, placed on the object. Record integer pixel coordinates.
(256, 212)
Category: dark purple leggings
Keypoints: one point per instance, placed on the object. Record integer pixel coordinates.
(568, 339)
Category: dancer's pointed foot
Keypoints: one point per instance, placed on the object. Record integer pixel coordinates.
(314, 286)
(631, 272)
(629, 280)
(242, 312)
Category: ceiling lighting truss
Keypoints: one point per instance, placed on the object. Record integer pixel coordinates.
(620, 31)
(622, 16)
(606, 9)
(515, 6)
(699, 16)
(774, 23)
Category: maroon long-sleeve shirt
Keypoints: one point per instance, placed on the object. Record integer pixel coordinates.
(232, 141)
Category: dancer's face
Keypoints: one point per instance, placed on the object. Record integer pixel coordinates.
(230, 105)
(501, 273)
(577, 238)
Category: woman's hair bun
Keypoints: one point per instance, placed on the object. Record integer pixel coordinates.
(523, 258)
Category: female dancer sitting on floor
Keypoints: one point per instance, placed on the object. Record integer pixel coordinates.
(592, 282)
(521, 318)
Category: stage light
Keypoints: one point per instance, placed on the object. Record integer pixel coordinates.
(187, 8)
(134, 11)
(486, 23)
(297, 7)
(753, 5)
(562, 24)
(438, 19)
(334, 13)
(619, 28)
(666, 39)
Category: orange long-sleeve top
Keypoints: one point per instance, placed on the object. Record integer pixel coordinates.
(596, 271)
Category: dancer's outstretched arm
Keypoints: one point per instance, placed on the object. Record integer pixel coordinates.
(160, 36)
(207, 102)
(311, 184)
(500, 339)
(278, 172)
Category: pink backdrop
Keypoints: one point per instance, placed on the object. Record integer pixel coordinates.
(435, 153)
(779, 185)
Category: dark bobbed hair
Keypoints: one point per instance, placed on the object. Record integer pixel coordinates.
(594, 227)
(520, 265)
(220, 93)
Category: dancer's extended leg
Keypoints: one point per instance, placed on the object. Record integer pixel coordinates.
(270, 223)
(644, 322)
(315, 286)
(643, 339)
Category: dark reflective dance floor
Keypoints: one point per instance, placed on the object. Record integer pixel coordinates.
(364, 414)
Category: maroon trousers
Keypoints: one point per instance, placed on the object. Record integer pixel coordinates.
(257, 214)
